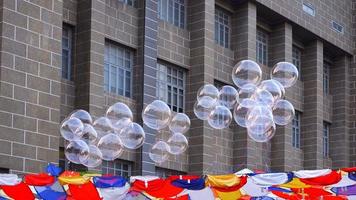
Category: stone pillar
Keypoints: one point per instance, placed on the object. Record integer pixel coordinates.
(312, 120)
(339, 130)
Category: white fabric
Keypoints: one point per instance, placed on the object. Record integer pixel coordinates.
(351, 197)
(143, 178)
(252, 189)
(269, 179)
(311, 173)
(204, 194)
(243, 172)
(9, 179)
(114, 193)
(344, 182)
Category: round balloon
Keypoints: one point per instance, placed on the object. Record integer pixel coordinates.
(89, 134)
(272, 87)
(255, 132)
(256, 112)
(120, 115)
(102, 126)
(178, 143)
(159, 152)
(208, 90)
(94, 158)
(180, 123)
(203, 108)
(220, 117)
(283, 112)
(228, 96)
(285, 73)
(246, 91)
(246, 71)
(156, 115)
(83, 116)
(76, 151)
(283, 91)
(264, 97)
(240, 111)
(132, 136)
(71, 129)
(110, 147)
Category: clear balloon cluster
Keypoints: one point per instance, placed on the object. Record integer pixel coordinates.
(158, 116)
(256, 105)
(90, 142)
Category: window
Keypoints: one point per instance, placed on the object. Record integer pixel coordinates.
(4, 170)
(164, 173)
(261, 47)
(171, 86)
(326, 76)
(67, 43)
(297, 57)
(309, 9)
(118, 63)
(326, 132)
(132, 3)
(172, 11)
(117, 168)
(337, 27)
(222, 27)
(296, 130)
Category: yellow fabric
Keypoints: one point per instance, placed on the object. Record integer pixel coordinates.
(228, 195)
(295, 183)
(228, 180)
(77, 180)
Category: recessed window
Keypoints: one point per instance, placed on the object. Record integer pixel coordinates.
(132, 3)
(326, 76)
(222, 27)
(172, 11)
(171, 86)
(296, 130)
(118, 63)
(309, 8)
(164, 173)
(337, 27)
(297, 58)
(262, 47)
(326, 135)
(67, 50)
(117, 168)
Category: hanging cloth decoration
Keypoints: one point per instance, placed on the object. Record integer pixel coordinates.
(53, 192)
(86, 191)
(188, 182)
(253, 190)
(20, 191)
(348, 191)
(311, 173)
(269, 179)
(205, 194)
(328, 179)
(344, 182)
(114, 193)
(295, 183)
(70, 177)
(350, 169)
(226, 186)
(9, 179)
(109, 181)
(313, 193)
(53, 170)
(352, 176)
(41, 179)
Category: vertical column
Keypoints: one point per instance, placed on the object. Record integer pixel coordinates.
(201, 26)
(312, 121)
(281, 41)
(149, 62)
(339, 130)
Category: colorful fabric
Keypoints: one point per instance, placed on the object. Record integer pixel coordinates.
(295, 183)
(53, 170)
(262, 198)
(352, 176)
(9, 179)
(252, 189)
(228, 195)
(53, 192)
(114, 193)
(69, 177)
(312, 192)
(109, 181)
(203, 194)
(349, 190)
(41, 179)
(231, 181)
(269, 179)
(86, 191)
(311, 173)
(190, 184)
(20, 191)
(350, 169)
(328, 179)
(345, 181)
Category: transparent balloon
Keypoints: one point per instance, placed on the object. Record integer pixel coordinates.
(102, 126)
(120, 115)
(110, 147)
(240, 111)
(178, 144)
(258, 112)
(76, 151)
(273, 87)
(220, 117)
(283, 91)
(246, 91)
(159, 152)
(94, 158)
(246, 71)
(83, 116)
(156, 115)
(71, 129)
(264, 97)
(208, 90)
(283, 112)
(285, 73)
(228, 96)
(180, 123)
(260, 136)
(203, 108)
(89, 134)
(132, 136)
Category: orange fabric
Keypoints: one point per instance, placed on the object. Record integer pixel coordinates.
(86, 191)
(39, 179)
(18, 192)
(224, 184)
(328, 179)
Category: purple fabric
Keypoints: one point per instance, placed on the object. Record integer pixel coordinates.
(352, 176)
(349, 190)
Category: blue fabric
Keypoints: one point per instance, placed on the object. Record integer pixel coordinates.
(262, 198)
(193, 184)
(109, 181)
(3, 198)
(352, 176)
(279, 189)
(290, 176)
(53, 170)
(47, 193)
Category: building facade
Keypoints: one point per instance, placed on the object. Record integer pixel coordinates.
(61, 55)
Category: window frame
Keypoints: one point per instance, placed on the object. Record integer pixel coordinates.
(109, 65)
(169, 8)
(334, 23)
(296, 130)
(307, 7)
(105, 167)
(261, 35)
(69, 49)
(297, 59)
(133, 4)
(326, 139)
(217, 26)
(326, 76)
